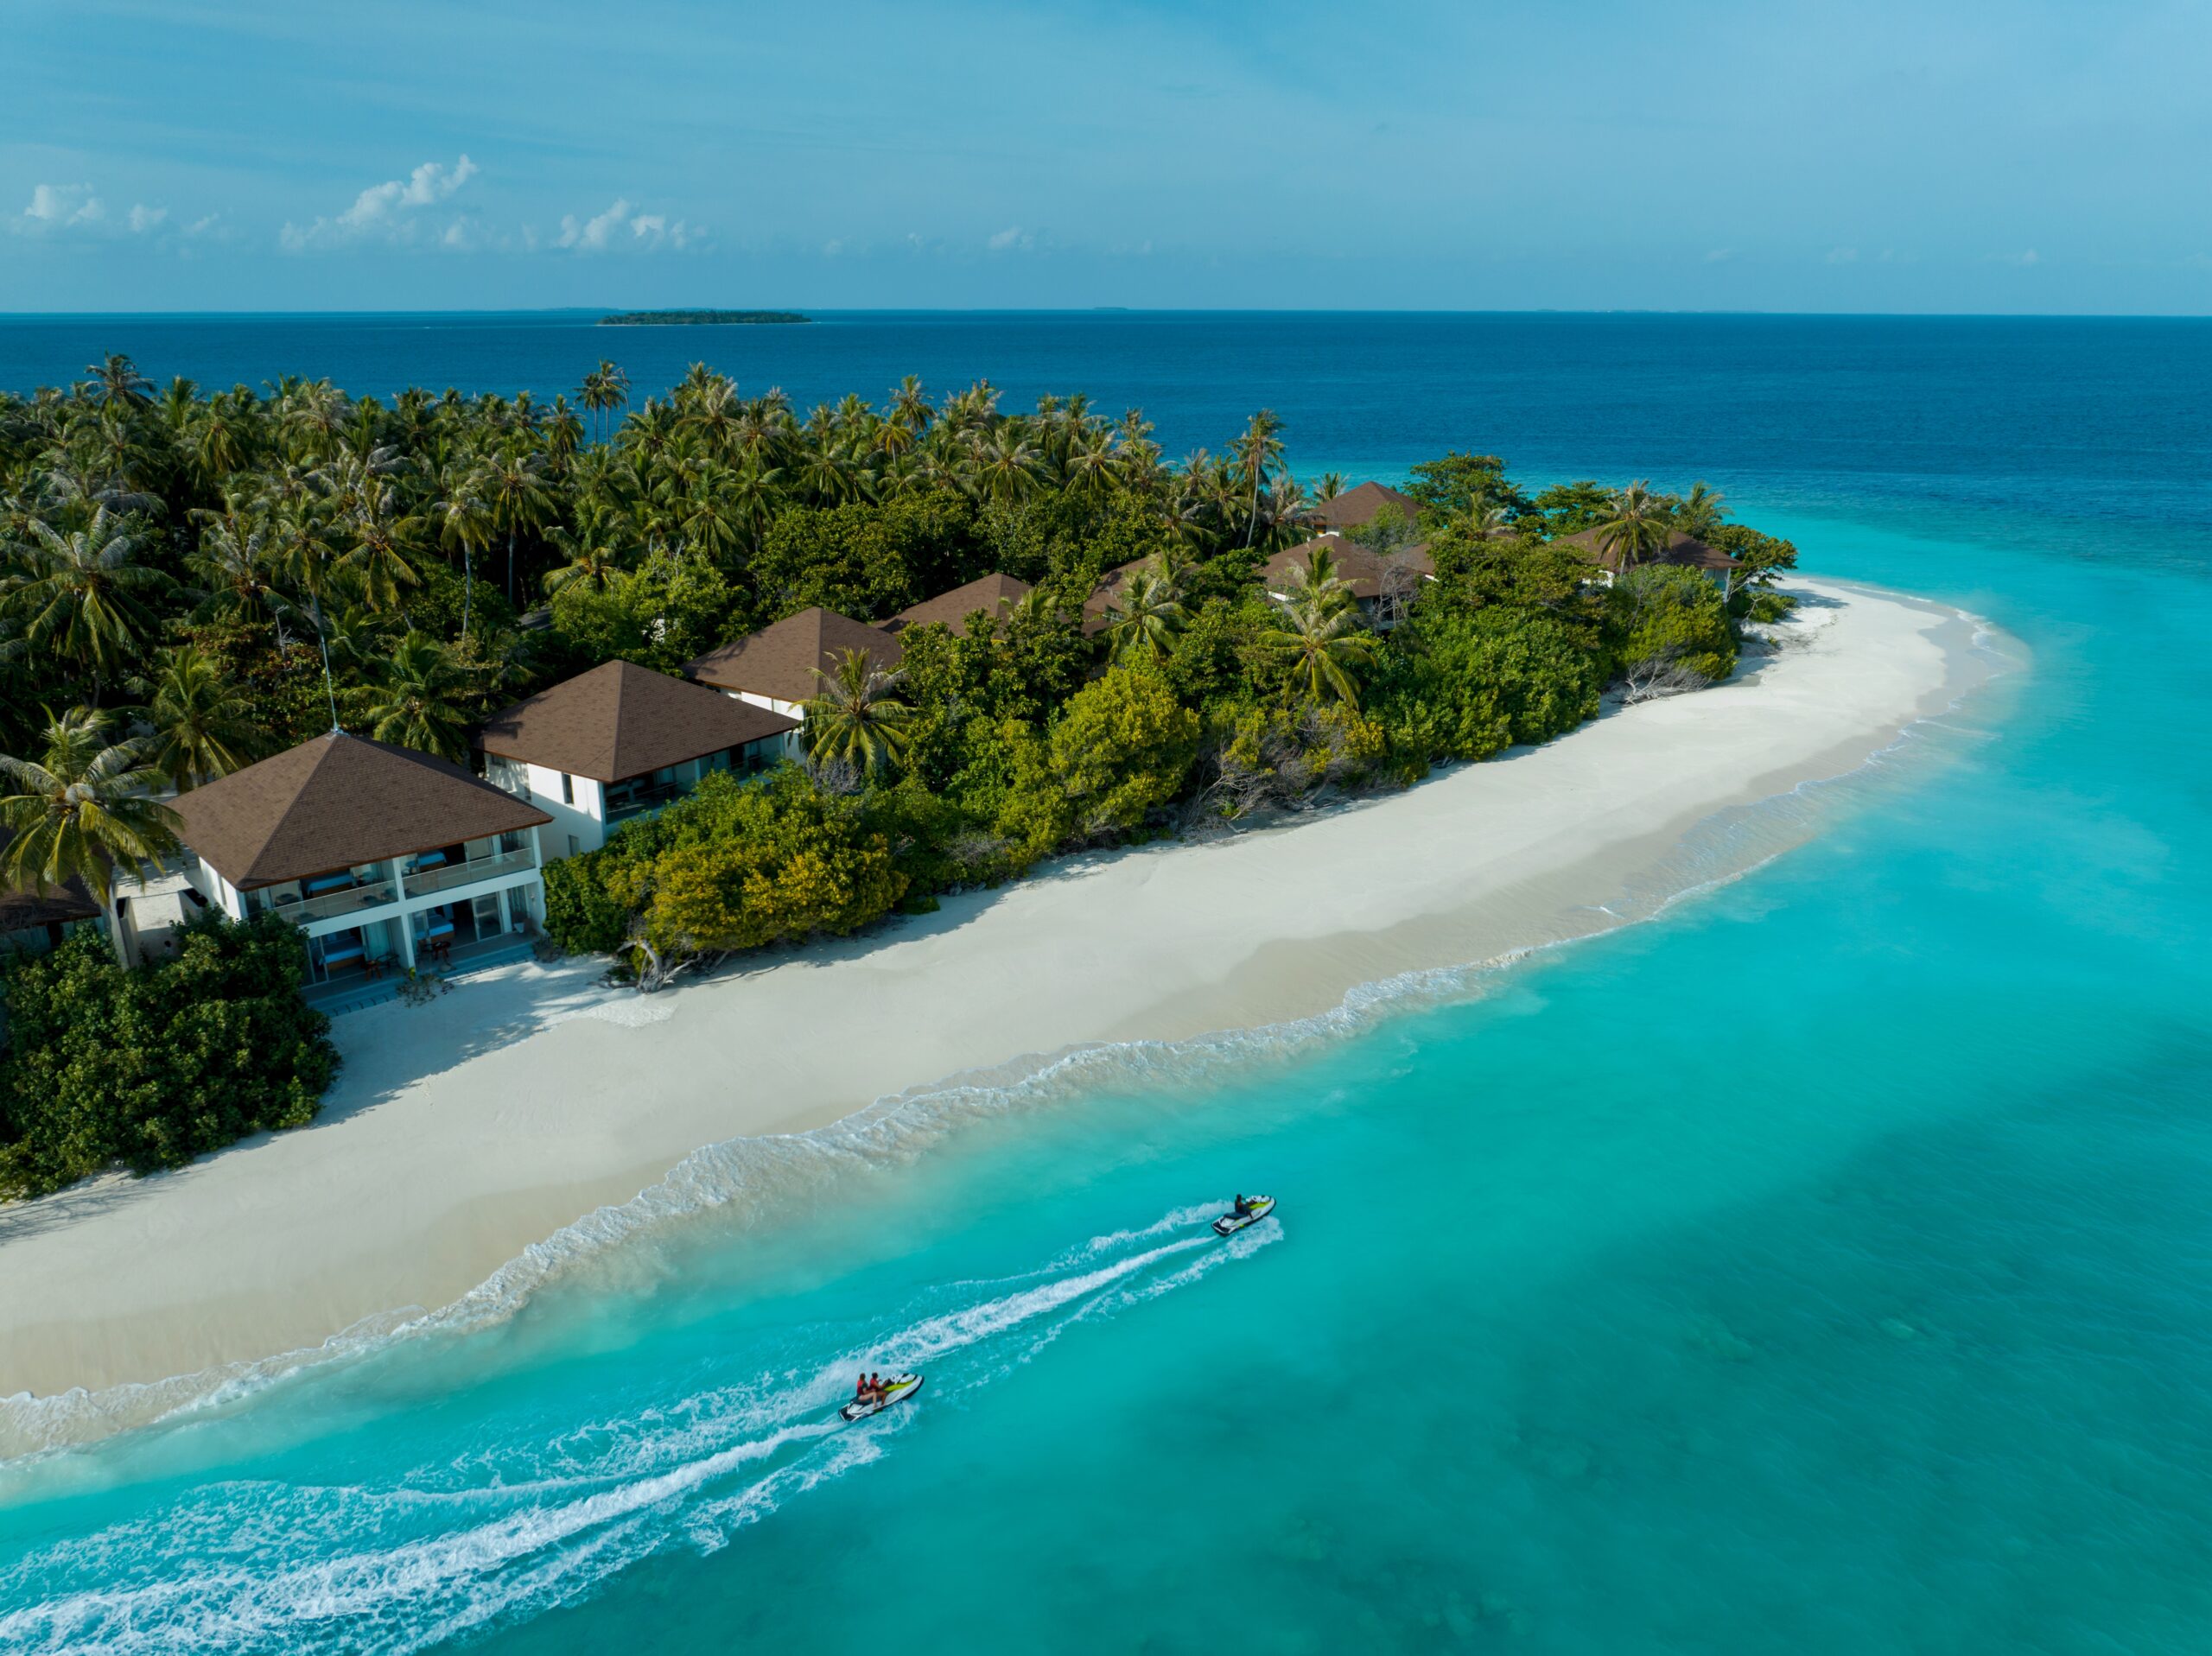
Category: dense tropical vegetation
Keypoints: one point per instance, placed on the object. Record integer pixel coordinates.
(151, 1068)
(191, 579)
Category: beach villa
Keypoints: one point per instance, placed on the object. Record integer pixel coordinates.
(993, 595)
(775, 668)
(1359, 506)
(1106, 596)
(618, 742)
(33, 922)
(383, 856)
(1382, 582)
(1682, 550)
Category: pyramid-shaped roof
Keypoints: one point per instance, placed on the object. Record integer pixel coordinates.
(993, 595)
(621, 720)
(1362, 568)
(780, 662)
(338, 801)
(1363, 505)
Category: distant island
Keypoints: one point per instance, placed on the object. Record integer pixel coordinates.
(696, 318)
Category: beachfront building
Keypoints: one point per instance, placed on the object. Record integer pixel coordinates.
(776, 667)
(993, 595)
(1685, 551)
(32, 921)
(1356, 508)
(1108, 595)
(386, 858)
(1384, 583)
(619, 742)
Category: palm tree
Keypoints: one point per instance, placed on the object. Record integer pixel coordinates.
(1701, 510)
(201, 728)
(910, 407)
(1315, 586)
(1258, 450)
(592, 559)
(118, 382)
(614, 394)
(235, 567)
(512, 486)
(1148, 614)
(419, 699)
(1006, 470)
(464, 520)
(1328, 648)
(1487, 522)
(1636, 528)
(85, 594)
(383, 537)
(857, 716)
(82, 811)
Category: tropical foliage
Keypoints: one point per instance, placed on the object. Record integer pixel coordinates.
(149, 1067)
(216, 574)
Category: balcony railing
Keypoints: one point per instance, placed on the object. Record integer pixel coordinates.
(643, 799)
(423, 881)
(348, 900)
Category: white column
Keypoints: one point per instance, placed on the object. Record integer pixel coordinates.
(406, 921)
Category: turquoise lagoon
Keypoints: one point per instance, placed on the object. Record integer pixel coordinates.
(1821, 1264)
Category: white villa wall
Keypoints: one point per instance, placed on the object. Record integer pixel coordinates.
(793, 748)
(521, 892)
(577, 806)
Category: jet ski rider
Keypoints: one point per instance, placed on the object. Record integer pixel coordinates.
(1243, 1207)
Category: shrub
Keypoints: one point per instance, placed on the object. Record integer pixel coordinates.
(731, 865)
(1465, 687)
(1120, 751)
(153, 1067)
(1663, 619)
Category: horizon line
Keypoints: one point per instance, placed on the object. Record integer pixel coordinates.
(1124, 310)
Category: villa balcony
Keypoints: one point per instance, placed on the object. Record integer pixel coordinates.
(444, 877)
(633, 800)
(348, 899)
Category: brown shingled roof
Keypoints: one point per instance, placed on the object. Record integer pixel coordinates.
(1107, 594)
(621, 720)
(21, 910)
(1681, 548)
(1361, 505)
(337, 801)
(780, 662)
(1359, 567)
(993, 595)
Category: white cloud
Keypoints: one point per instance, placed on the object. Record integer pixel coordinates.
(1843, 256)
(203, 227)
(60, 206)
(143, 217)
(385, 211)
(1010, 237)
(646, 230)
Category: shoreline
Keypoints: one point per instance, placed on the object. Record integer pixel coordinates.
(463, 1134)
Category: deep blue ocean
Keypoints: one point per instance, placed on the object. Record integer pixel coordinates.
(1823, 1264)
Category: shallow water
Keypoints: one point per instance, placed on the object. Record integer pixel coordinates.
(1821, 1266)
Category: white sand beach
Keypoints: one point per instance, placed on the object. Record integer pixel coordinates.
(464, 1131)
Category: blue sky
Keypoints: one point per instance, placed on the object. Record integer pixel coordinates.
(1881, 156)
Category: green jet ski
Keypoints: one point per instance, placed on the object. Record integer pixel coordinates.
(897, 1389)
(1253, 1210)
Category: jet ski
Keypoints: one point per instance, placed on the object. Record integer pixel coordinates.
(1256, 1209)
(897, 1389)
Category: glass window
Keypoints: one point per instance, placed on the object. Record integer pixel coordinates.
(567, 789)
